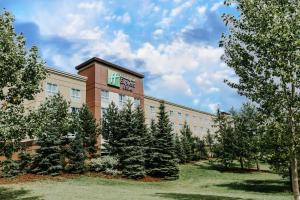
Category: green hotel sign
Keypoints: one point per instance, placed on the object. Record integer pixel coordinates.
(113, 78)
(119, 80)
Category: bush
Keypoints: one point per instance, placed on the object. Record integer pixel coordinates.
(113, 172)
(9, 168)
(103, 164)
(25, 161)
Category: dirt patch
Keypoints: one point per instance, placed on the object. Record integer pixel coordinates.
(63, 176)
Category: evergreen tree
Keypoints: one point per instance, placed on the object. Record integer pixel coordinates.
(76, 155)
(187, 142)
(198, 149)
(52, 117)
(133, 130)
(179, 150)
(164, 161)
(209, 141)
(149, 145)
(88, 130)
(110, 130)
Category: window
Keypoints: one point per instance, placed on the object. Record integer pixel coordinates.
(179, 115)
(51, 89)
(103, 111)
(171, 112)
(104, 95)
(180, 126)
(136, 102)
(187, 117)
(74, 110)
(75, 94)
(152, 109)
(122, 99)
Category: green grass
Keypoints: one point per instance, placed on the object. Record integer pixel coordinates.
(197, 182)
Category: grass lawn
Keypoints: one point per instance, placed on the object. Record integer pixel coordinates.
(198, 181)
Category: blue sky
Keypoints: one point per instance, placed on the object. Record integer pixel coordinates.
(173, 42)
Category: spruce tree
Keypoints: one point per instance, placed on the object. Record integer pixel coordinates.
(187, 142)
(209, 141)
(52, 117)
(76, 155)
(133, 130)
(88, 130)
(149, 144)
(110, 130)
(179, 149)
(164, 161)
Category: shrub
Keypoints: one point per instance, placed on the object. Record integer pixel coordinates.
(104, 163)
(9, 168)
(25, 161)
(113, 172)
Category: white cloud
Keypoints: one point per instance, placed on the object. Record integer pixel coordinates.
(216, 6)
(196, 102)
(213, 107)
(158, 32)
(92, 5)
(201, 10)
(125, 18)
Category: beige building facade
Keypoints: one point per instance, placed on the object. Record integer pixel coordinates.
(101, 82)
(71, 86)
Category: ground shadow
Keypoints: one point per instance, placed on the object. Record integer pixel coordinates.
(10, 194)
(180, 196)
(264, 186)
(233, 169)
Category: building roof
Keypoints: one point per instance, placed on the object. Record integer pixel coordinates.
(69, 75)
(112, 65)
(180, 106)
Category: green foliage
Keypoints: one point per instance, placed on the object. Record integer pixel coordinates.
(110, 130)
(209, 141)
(76, 156)
(187, 142)
(105, 163)
(21, 71)
(164, 161)
(198, 149)
(133, 130)
(149, 145)
(180, 153)
(52, 117)
(88, 128)
(24, 162)
(9, 168)
(262, 47)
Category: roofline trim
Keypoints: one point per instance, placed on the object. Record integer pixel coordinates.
(115, 66)
(177, 105)
(70, 75)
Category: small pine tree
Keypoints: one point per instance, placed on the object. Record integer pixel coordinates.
(110, 130)
(52, 117)
(179, 150)
(132, 157)
(164, 161)
(187, 142)
(88, 129)
(209, 141)
(76, 156)
(149, 143)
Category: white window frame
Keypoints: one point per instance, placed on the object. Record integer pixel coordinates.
(50, 92)
(76, 97)
(106, 97)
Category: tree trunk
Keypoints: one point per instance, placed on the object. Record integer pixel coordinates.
(242, 163)
(295, 183)
(290, 176)
(257, 165)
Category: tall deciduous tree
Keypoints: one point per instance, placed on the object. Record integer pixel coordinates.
(164, 161)
(262, 47)
(21, 71)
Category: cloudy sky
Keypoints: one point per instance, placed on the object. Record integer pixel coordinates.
(173, 42)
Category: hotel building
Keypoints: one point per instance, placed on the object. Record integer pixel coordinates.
(99, 82)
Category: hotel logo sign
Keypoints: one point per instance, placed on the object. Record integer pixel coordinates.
(119, 80)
